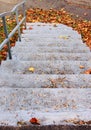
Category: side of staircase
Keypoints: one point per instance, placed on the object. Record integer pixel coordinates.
(57, 91)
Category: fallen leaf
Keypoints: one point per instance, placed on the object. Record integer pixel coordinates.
(31, 69)
(85, 14)
(54, 25)
(34, 121)
(21, 123)
(81, 67)
(87, 71)
(63, 37)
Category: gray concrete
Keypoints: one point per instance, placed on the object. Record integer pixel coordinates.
(57, 92)
(52, 56)
(51, 106)
(50, 43)
(45, 67)
(36, 49)
(44, 81)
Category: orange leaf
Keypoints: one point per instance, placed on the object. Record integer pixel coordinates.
(87, 71)
(81, 67)
(34, 121)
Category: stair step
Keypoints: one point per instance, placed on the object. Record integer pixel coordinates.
(42, 99)
(50, 49)
(52, 56)
(51, 29)
(48, 105)
(62, 37)
(51, 35)
(45, 67)
(52, 43)
(45, 81)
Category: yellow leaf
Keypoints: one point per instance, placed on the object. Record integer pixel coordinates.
(63, 37)
(31, 69)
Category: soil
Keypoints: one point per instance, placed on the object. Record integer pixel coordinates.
(79, 8)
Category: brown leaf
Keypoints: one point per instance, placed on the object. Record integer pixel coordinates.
(21, 123)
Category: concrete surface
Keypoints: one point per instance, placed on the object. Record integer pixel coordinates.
(58, 92)
(46, 67)
(45, 81)
(52, 56)
(51, 106)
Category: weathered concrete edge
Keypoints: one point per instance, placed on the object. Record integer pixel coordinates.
(48, 127)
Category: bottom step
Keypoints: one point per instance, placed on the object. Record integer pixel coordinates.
(50, 106)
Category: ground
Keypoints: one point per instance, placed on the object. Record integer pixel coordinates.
(80, 8)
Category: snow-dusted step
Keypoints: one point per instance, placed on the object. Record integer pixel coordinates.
(44, 81)
(52, 56)
(53, 40)
(52, 43)
(45, 99)
(50, 106)
(51, 29)
(42, 49)
(45, 67)
(50, 35)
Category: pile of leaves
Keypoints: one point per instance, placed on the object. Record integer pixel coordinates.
(61, 16)
(78, 122)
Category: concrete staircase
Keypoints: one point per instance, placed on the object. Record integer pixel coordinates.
(57, 92)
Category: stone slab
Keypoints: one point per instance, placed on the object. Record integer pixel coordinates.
(52, 56)
(45, 81)
(50, 106)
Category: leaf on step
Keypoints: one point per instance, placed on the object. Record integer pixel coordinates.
(30, 28)
(21, 123)
(31, 69)
(34, 121)
(54, 25)
(63, 37)
(87, 71)
(81, 67)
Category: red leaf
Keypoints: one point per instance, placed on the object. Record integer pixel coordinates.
(30, 28)
(34, 121)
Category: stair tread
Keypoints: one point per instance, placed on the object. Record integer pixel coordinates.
(48, 105)
(36, 49)
(45, 80)
(45, 67)
(35, 42)
(52, 56)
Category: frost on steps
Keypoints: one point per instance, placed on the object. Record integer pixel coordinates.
(58, 91)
